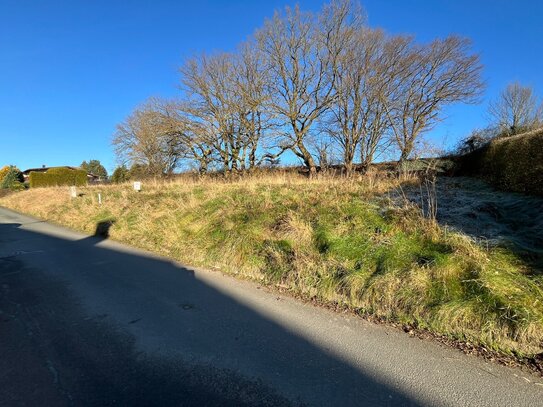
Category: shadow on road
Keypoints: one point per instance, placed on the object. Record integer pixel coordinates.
(86, 324)
(102, 228)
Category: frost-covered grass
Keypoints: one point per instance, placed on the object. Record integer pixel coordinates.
(337, 241)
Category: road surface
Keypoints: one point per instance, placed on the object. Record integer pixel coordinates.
(87, 321)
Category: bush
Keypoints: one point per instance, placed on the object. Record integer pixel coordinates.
(514, 163)
(3, 172)
(57, 177)
(477, 139)
(9, 177)
(17, 186)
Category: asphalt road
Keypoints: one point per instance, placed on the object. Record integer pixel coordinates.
(85, 321)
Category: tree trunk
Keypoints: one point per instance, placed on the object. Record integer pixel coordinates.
(348, 158)
(348, 167)
(203, 167)
(309, 162)
(402, 163)
(252, 158)
(407, 148)
(365, 161)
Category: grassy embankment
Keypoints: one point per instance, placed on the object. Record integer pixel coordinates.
(335, 241)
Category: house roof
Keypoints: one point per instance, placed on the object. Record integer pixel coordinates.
(43, 169)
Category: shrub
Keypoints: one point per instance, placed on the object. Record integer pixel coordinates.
(3, 172)
(477, 139)
(57, 177)
(17, 186)
(10, 176)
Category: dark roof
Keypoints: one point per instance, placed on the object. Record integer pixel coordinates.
(43, 169)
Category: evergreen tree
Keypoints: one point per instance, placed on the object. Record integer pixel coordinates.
(95, 167)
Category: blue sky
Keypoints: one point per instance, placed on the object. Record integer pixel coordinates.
(71, 70)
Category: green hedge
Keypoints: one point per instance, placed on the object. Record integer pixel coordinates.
(512, 163)
(58, 177)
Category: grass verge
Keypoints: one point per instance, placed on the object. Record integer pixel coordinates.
(334, 241)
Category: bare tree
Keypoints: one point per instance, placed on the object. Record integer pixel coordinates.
(208, 81)
(358, 119)
(226, 98)
(149, 137)
(191, 137)
(302, 51)
(428, 78)
(516, 109)
(257, 123)
(324, 148)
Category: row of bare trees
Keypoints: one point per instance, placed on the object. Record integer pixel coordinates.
(305, 82)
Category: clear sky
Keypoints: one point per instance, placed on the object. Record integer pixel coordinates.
(71, 70)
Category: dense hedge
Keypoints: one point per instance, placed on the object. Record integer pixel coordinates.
(57, 177)
(511, 163)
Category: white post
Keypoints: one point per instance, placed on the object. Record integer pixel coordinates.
(137, 186)
(73, 192)
(99, 199)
